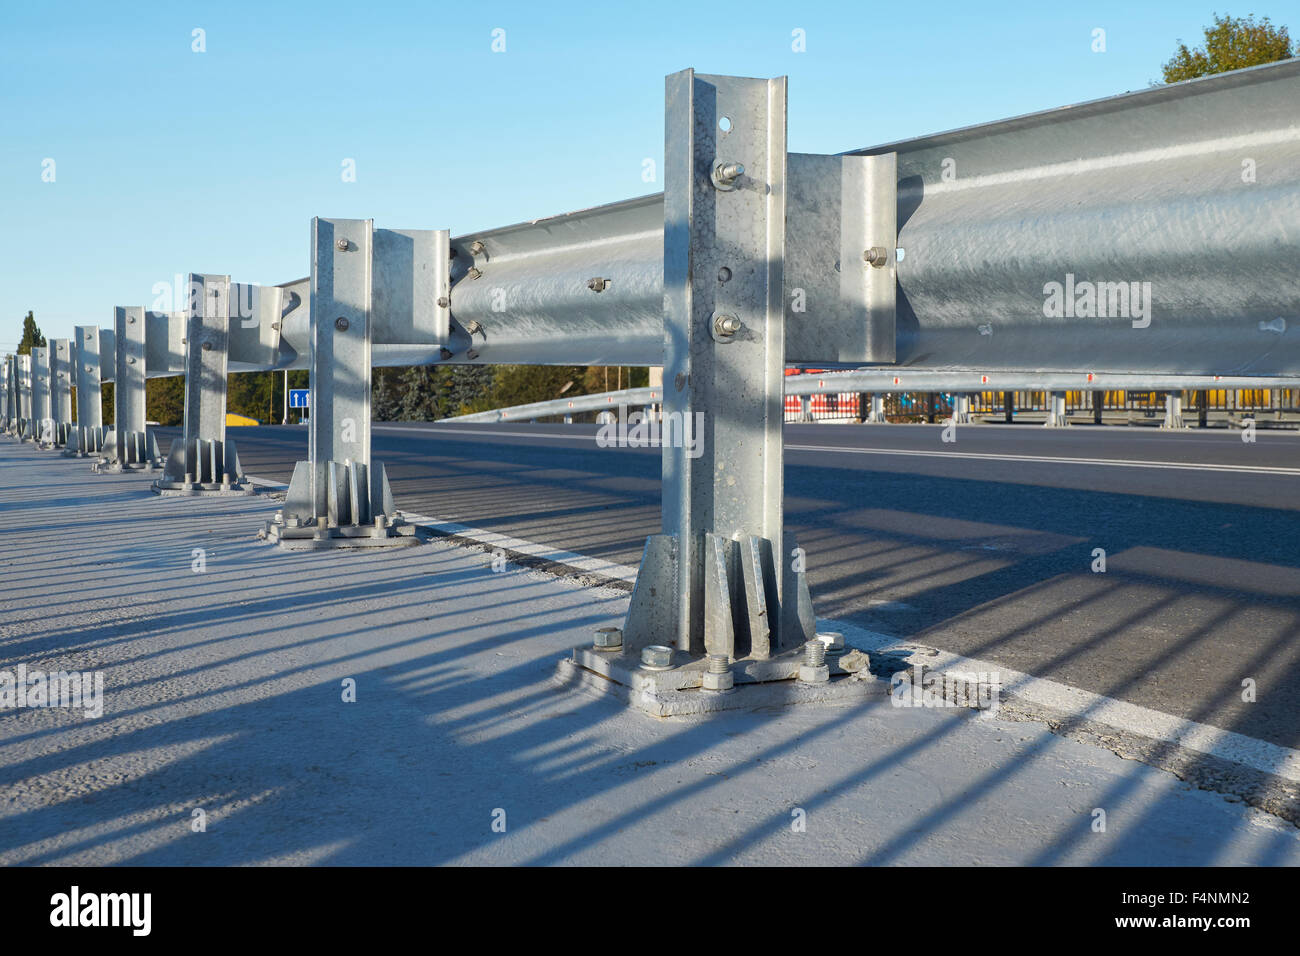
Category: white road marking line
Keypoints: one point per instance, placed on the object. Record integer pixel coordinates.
(1121, 715)
(1048, 459)
(495, 539)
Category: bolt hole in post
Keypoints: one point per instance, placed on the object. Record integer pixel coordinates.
(724, 123)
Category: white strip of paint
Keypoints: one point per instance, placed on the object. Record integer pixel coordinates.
(1047, 459)
(495, 539)
(1132, 718)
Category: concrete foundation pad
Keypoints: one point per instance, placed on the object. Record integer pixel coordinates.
(383, 708)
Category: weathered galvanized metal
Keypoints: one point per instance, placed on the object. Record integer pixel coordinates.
(23, 397)
(87, 436)
(131, 446)
(9, 408)
(365, 282)
(61, 389)
(1187, 194)
(202, 461)
(42, 429)
(722, 579)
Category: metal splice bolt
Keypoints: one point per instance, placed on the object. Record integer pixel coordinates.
(726, 325)
(728, 173)
(875, 256)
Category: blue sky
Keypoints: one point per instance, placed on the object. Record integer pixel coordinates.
(170, 161)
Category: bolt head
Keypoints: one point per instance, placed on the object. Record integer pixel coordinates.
(341, 324)
(341, 244)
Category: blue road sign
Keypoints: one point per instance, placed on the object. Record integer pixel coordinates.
(299, 398)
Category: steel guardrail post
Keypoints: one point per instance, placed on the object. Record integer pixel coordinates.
(722, 579)
(61, 389)
(23, 397)
(42, 422)
(87, 436)
(361, 279)
(132, 446)
(202, 461)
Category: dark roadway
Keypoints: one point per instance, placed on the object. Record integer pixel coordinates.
(988, 557)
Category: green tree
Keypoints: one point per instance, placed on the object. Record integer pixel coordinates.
(1231, 44)
(32, 337)
(164, 400)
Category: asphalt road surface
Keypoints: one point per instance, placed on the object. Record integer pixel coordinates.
(983, 546)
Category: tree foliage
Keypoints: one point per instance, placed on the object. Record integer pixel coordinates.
(32, 337)
(1230, 44)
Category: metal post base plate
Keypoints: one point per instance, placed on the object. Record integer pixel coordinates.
(194, 489)
(678, 690)
(315, 538)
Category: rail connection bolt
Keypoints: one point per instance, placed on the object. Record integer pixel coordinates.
(608, 639)
(726, 325)
(876, 256)
(726, 175)
(718, 677)
(814, 670)
(656, 657)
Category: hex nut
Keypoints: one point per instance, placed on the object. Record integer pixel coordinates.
(718, 682)
(808, 674)
(656, 657)
(608, 638)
